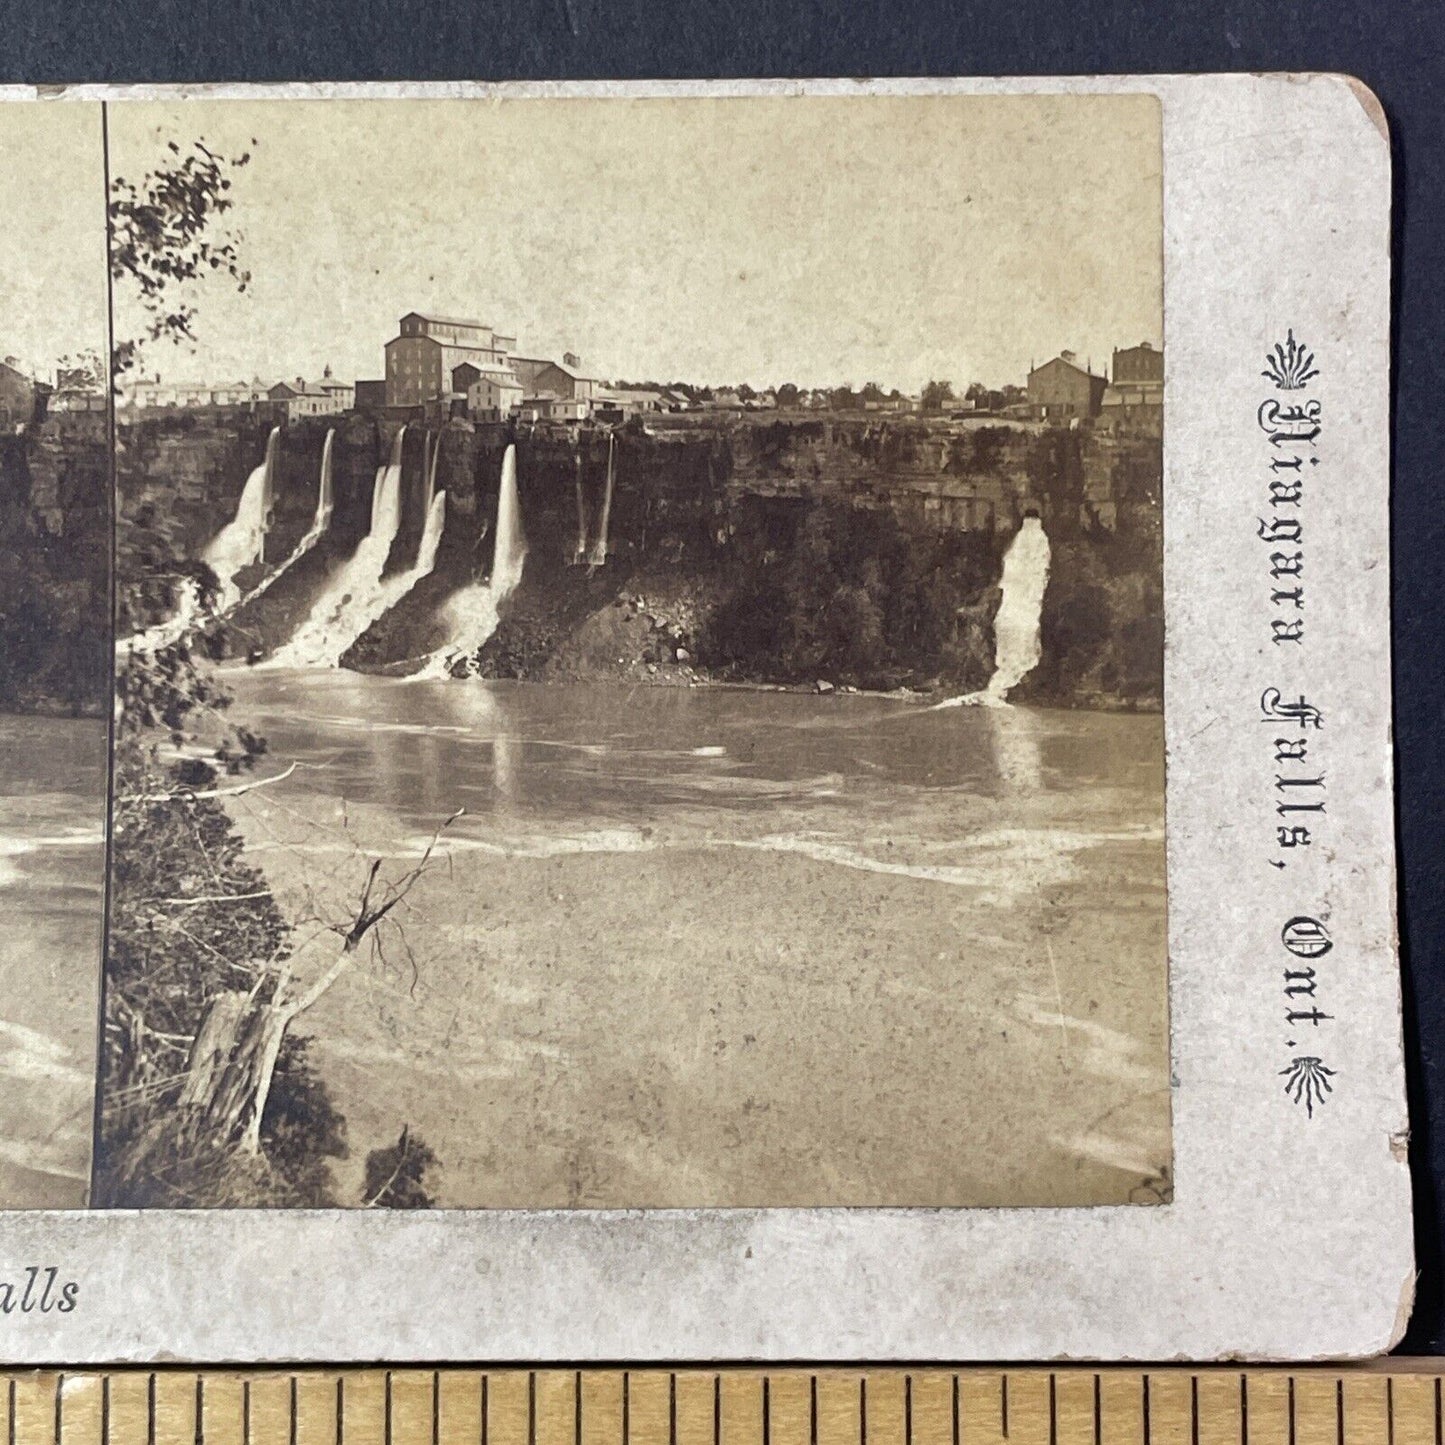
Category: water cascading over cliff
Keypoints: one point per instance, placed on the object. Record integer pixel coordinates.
(431, 470)
(598, 554)
(344, 609)
(240, 542)
(472, 613)
(1017, 646)
(325, 503)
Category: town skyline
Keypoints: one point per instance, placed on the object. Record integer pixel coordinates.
(881, 263)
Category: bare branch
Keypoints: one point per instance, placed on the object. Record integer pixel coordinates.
(248, 787)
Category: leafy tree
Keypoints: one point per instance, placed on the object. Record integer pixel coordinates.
(935, 394)
(746, 393)
(787, 395)
(872, 391)
(167, 236)
(977, 393)
(396, 1177)
(82, 371)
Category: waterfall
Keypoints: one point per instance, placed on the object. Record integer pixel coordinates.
(1016, 645)
(241, 541)
(472, 613)
(325, 498)
(580, 552)
(325, 504)
(431, 471)
(350, 602)
(509, 549)
(598, 554)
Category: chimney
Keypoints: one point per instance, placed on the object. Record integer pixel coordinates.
(1067, 356)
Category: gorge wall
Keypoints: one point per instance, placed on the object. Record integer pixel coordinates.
(791, 549)
(55, 546)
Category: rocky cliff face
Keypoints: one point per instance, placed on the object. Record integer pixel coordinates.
(55, 567)
(791, 550)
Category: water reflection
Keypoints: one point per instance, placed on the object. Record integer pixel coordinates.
(1017, 748)
(541, 765)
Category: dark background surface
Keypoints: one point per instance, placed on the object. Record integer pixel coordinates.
(1395, 47)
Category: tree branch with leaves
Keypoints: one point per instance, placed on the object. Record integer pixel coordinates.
(169, 233)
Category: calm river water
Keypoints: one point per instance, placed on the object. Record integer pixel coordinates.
(716, 946)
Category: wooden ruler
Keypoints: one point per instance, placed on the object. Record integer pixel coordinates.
(1396, 1403)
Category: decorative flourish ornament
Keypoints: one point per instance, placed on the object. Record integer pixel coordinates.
(1290, 365)
(1307, 1081)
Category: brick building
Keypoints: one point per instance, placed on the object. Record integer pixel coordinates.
(1061, 391)
(422, 357)
(492, 394)
(1134, 400)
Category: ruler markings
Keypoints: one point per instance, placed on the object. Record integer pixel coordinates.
(82, 1423)
(173, 1407)
(1171, 1399)
(745, 1406)
(790, 1408)
(511, 1407)
(1413, 1409)
(649, 1407)
(128, 1414)
(601, 1408)
(1073, 1392)
(883, 1408)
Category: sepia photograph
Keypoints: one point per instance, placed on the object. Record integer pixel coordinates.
(638, 655)
(55, 645)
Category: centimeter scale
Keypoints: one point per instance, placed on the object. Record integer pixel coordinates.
(1394, 1402)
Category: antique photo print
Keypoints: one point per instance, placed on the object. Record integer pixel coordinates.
(55, 643)
(641, 688)
(770, 691)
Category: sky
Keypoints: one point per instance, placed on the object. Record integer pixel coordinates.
(52, 232)
(817, 240)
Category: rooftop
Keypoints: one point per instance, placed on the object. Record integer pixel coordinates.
(447, 320)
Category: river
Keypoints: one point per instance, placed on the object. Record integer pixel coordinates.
(715, 946)
(52, 862)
